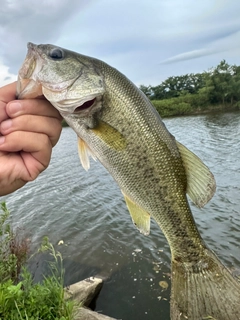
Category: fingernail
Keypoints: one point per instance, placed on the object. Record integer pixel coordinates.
(14, 107)
(6, 124)
(2, 140)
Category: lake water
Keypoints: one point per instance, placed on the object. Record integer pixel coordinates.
(87, 211)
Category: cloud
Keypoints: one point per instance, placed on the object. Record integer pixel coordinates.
(133, 36)
(189, 55)
(5, 76)
(224, 44)
(25, 20)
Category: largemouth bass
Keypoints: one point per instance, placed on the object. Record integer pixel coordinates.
(117, 125)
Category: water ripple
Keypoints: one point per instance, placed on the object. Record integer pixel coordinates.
(87, 211)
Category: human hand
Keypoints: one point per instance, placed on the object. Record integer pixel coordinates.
(28, 131)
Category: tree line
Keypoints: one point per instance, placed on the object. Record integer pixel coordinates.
(217, 88)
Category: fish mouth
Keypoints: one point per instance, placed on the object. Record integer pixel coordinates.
(28, 89)
(88, 107)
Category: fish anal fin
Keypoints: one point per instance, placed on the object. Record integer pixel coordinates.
(84, 153)
(140, 218)
(201, 184)
(111, 136)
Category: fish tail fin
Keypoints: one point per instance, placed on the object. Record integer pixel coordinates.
(204, 290)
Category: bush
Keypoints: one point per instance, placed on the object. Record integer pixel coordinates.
(171, 107)
(27, 300)
(184, 108)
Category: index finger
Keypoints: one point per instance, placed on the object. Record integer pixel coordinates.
(7, 93)
(38, 107)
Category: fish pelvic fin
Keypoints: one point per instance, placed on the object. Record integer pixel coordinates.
(201, 184)
(140, 218)
(84, 153)
(206, 290)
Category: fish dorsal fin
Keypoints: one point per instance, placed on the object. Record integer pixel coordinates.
(140, 218)
(111, 136)
(84, 153)
(201, 184)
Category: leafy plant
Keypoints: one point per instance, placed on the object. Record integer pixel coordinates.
(20, 297)
(13, 249)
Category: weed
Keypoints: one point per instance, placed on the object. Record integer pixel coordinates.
(13, 249)
(20, 297)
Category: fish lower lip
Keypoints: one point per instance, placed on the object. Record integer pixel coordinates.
(85, 106)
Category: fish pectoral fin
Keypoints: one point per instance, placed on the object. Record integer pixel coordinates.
(111, 136)
(84, 153)
(140, 218)
(201, 184)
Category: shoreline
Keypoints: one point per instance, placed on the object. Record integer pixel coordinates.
(214, 110)
(193, 112)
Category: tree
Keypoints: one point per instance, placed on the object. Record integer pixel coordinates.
(235, 85)
(147, 90)
(220, 82)
(218, 85)
(180, 85)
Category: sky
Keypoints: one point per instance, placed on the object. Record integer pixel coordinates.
(148, 41)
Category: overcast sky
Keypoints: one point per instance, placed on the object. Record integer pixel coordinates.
(147, 40)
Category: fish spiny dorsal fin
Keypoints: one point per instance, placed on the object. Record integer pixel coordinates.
(84, 153)
(201, 184)
(140, 218)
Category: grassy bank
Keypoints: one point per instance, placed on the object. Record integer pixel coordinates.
(20, 297)
(189, 105)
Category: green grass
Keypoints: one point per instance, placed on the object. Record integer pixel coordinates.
(20, 297)
(189, 104)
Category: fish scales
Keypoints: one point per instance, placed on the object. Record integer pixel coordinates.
(117, 125)
(148, 141)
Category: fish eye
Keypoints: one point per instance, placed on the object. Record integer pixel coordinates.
(56, 54)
